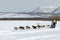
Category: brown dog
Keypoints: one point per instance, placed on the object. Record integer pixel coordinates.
(15, 28)
(27, 27)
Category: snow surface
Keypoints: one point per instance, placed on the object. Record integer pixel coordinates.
(7, 32)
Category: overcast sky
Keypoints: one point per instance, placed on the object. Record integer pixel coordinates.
(25, 5)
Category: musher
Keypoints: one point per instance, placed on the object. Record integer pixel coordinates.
(54, 22)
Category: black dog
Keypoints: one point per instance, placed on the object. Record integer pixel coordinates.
(38, 26)
(22, 28)
(34, 27)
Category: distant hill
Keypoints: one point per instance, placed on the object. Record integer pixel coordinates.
(40, 13)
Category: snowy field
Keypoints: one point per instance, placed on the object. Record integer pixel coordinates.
(7, 31)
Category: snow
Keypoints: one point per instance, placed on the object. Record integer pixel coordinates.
(8, 33)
